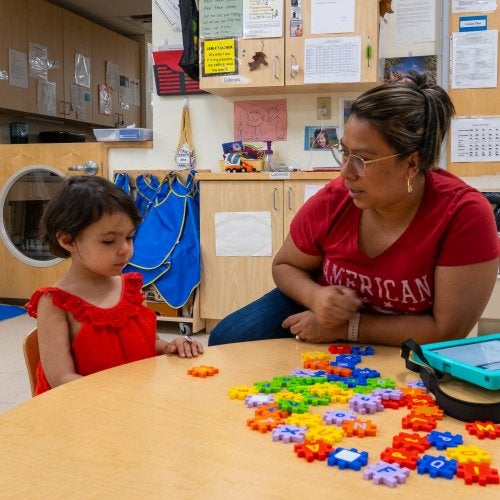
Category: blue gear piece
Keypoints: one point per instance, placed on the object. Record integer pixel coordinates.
(363, 350)
(417, 384)
(354, 381)
(348, 359)
(437, 466)
(444, 440)
(347, 459)
(365, 373)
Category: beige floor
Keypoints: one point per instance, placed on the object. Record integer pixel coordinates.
(14, 385)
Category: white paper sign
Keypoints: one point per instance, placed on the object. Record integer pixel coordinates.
(243, 234)
(475, 139)
(332, 16)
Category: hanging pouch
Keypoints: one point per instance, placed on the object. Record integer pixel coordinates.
(466, 411)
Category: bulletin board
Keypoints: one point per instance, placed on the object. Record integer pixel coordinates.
(475, 102)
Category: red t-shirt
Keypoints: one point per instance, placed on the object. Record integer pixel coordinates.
(454, 226)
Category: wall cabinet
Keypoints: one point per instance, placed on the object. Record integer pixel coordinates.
(12, 36)
(231, 282)
(77, 51)
(286, 56)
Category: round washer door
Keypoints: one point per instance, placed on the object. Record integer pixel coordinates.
(22, 201)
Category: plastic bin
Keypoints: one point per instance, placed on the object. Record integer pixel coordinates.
(123, 134)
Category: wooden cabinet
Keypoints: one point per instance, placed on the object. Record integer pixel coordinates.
(286, 57)
(76, 51)
(12, 37)
(366, 28)
(230, 282)
(129, 63)
(44, 22)
(78, 83)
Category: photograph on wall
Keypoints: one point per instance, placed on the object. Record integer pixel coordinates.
(395, 68)
(344, 111)
(320, 138)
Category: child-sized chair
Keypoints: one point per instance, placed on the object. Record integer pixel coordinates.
(31, 356)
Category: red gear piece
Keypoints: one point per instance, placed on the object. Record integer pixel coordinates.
(394, 404)
(483, 429)
(264, 423)
(359, 428)
(413, 441)
(340, 349)
(478, 473)
(402, 456)
(418, 422)
(203, 371)
(313, 450)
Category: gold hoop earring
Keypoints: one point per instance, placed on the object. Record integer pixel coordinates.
(409, 186)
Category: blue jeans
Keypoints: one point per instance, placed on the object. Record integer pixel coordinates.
(259, 320)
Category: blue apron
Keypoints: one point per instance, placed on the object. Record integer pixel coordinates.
(167, 242)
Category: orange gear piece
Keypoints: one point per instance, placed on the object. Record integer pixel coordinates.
(316, 364)
(340, 371)
(359, 428)
(428, 411)
(264, 423)
(203, 371)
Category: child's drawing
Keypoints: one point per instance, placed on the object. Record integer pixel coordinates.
(260, 120)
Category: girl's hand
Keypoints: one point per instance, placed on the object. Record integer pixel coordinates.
(334, 305)
(184, 346)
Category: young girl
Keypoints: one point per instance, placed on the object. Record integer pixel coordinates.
(94, 317)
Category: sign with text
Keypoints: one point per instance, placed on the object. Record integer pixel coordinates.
(219, 57)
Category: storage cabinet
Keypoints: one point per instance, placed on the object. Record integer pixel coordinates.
(285, 57)
(12, 36)
(230, 282)
(44, 21)
(77, 51)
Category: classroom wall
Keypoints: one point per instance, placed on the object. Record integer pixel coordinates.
(212, 116)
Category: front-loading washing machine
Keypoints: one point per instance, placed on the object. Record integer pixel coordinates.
(29, 176)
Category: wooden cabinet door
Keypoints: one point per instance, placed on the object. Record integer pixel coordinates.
(44, 23)
(105, 51)
(295, 194)
(231, 282)
(12, 36)
(263, 76)
(366, 26)
(78, 83)
(129, 62)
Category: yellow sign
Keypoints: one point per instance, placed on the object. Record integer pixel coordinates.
(219, 57)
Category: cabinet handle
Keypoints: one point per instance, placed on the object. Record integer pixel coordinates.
(62, 108)
(294, 68)
(276, 66)
(275, 192)
(67, 108)
(290, 192)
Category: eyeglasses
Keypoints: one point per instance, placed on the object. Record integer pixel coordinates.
(357, 164)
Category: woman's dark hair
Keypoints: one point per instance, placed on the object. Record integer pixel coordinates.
(412, 114)
(79, 203)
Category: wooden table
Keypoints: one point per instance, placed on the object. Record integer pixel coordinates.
(149, 430)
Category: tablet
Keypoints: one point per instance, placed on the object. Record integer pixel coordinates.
(476, 360)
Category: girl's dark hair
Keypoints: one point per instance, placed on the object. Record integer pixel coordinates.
(79, 203)
(412, 114)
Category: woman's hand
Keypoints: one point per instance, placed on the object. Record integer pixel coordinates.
(306, 327)
(184, 346)
(334, 305)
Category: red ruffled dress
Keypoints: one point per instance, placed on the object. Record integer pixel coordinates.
(107, 337)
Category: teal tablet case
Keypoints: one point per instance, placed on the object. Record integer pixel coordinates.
(476, 360)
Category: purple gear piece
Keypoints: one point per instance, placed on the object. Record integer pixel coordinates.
(437, 466)
(255, 400)
(417, 384)
(363, 403)
(443, 440)
(386, 394)
(289, 433)
(384, 472)
(336, 417)
(303, 372)
(347, 459)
